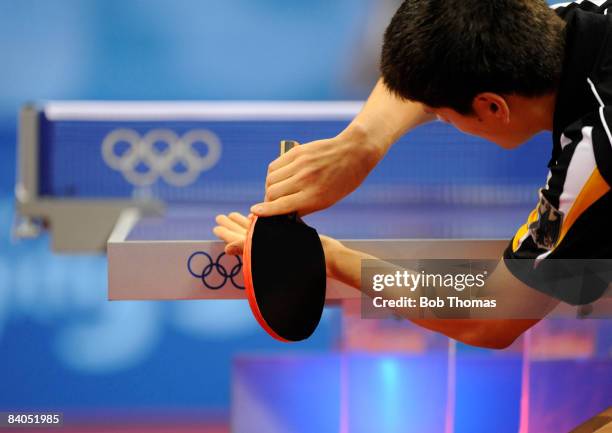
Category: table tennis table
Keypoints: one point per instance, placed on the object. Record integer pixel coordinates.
(176, 256)
(143, 181)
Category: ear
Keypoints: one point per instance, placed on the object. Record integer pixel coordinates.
(491, 106)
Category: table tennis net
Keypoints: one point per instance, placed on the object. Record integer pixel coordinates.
(222, 161)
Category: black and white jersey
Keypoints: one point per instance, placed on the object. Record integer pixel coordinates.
(594, 6)
(573, 216)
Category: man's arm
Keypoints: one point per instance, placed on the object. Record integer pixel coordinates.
(316, 175)
(513, 296)
(385, 118)
(344, 264)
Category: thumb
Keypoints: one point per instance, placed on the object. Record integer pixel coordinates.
(280, 206)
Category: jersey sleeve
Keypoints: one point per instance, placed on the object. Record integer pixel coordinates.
(564, 247)
(594, 6)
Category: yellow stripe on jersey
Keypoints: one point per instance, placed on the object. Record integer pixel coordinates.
(533, 216)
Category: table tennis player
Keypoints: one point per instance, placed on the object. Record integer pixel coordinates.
(503, 70)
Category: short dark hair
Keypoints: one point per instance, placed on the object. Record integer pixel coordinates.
(443, 53)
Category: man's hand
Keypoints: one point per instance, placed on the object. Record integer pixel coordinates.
(316, 175)
(232, 229)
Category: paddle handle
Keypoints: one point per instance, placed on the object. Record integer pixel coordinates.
(286, 146)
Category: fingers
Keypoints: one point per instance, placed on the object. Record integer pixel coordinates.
(284, 159)
(281, 189)
(232, 229)
(234, 248)
(281, 206)
(280, 174)
(233, 223)
(240, 219)
(227, 235)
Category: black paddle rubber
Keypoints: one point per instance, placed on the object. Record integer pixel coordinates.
(288, 275)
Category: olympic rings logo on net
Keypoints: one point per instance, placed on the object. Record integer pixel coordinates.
(204, 271)
(161, 152)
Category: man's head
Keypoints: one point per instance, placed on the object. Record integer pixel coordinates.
(475, 63)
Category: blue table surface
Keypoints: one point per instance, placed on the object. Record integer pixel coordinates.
(351, 221)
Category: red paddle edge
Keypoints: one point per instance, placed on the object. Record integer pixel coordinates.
(248, 283)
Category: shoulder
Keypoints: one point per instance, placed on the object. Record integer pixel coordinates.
(566, 9)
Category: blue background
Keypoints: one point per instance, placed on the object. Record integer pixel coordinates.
(62, 345)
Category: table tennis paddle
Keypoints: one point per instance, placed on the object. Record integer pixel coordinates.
(284, 274)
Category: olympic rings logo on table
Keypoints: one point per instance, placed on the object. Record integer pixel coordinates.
(161, 162)
(205, 272)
